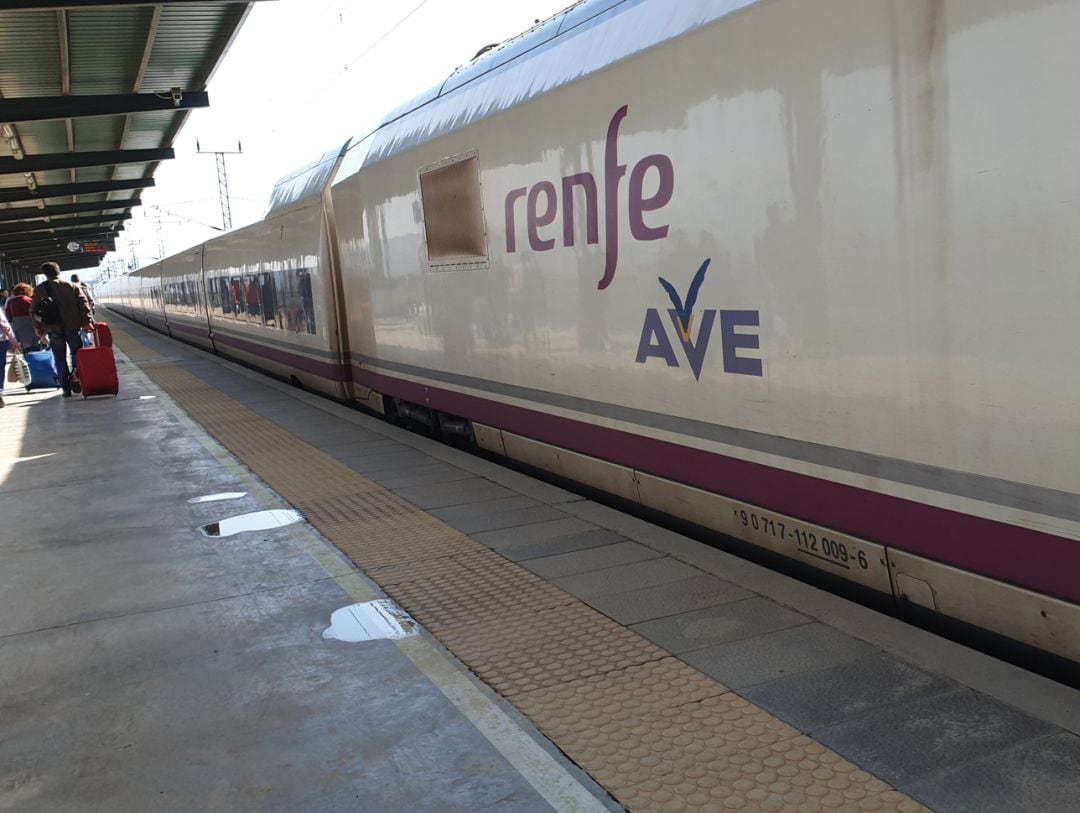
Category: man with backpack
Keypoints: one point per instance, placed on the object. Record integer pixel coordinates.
(60, 309)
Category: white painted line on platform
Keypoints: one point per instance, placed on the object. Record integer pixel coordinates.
(550, 779)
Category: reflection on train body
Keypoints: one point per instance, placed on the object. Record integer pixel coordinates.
(279, 299)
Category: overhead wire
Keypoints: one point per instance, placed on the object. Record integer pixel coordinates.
(335, 17)
(186, 202)
(368, 50)
(189, 219)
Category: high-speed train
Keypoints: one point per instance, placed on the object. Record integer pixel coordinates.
(804, 274)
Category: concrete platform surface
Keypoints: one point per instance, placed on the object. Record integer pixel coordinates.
(146, 666)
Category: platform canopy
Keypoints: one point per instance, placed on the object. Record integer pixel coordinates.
(92, 96)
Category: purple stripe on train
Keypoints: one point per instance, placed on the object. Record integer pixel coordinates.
(331, 371)
(977, 544)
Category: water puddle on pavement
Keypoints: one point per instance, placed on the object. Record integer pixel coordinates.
(224, 495)
(370, 621)
(258, 521)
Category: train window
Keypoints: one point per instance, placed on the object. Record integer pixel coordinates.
(274, 299)
(226, 300)
(268, 300)
(236, 296)
(251, 299)
(295, 303)
(193, 297)
(454, 213)
(176, 297)
(180, 297)
(213, 292)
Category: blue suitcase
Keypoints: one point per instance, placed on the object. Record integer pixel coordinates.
(42, 370)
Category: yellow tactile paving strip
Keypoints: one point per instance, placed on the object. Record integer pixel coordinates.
(658, 734)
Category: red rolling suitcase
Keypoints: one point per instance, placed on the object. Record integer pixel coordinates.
(102, 334)
(96, 369)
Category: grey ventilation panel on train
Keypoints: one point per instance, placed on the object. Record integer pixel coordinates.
(307, 181)
(586, 38)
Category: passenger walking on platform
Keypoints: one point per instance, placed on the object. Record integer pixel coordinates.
(85, 290)
(19, 310)
(60, 309)
(7, 339)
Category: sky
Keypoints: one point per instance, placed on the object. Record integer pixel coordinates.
(303, 76)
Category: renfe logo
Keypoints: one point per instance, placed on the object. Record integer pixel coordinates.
(540, 216)
(655, 343)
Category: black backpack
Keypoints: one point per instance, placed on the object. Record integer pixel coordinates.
(47, 310)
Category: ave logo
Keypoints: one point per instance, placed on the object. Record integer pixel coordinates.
(656, 340)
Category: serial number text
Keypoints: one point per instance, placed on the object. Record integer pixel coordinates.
(808, 543)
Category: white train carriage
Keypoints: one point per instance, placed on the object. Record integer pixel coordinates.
(144, 294)
(110, 293)
(802, 273)
(183, 298)
(271, 291)
(265, 295)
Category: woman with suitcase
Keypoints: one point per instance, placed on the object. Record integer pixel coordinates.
(19, 310)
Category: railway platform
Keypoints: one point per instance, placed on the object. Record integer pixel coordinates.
(433, 631)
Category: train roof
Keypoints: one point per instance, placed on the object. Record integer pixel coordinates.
(307, 181)
(584, 39)
(152, 269)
